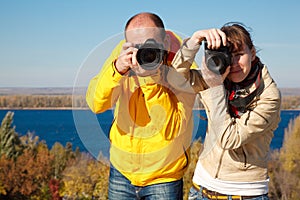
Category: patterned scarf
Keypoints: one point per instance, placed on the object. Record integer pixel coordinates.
(238, 95)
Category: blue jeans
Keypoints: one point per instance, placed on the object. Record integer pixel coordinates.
(194, 194)
(120, 188)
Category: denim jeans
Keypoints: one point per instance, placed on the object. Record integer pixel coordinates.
(120, 188)
(196, 195)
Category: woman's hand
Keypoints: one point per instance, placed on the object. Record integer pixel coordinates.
(211, 78)
(214, 37)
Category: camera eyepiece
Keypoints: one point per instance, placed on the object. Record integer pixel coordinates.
(150, 54)
(217, 60)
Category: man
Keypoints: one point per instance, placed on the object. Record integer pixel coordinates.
(152, 128)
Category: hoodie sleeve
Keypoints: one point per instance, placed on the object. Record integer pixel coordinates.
(104, 89)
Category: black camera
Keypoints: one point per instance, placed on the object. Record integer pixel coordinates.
(150, 54)
(217, 60)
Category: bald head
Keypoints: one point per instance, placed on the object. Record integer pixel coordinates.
(145, 20)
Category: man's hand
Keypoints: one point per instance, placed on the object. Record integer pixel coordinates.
(127, 60)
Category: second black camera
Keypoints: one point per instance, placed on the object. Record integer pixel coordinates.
(217, 60)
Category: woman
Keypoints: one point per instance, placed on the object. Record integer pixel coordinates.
(243, 110)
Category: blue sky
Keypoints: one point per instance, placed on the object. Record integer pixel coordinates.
(44, 43)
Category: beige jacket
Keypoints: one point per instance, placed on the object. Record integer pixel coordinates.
(235, 149)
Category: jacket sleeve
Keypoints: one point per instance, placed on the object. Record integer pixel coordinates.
(185, 76)
(232, 133)
(104, 89)
(264, 117)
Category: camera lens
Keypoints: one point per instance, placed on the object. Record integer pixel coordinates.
(150, 54)
(217, 60)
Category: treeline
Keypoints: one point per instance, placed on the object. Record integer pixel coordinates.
(290, 102)
(30, 170)
(285, 165)
(78, 101)
(42, 101)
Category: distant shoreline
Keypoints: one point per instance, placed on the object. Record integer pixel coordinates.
(285, 91)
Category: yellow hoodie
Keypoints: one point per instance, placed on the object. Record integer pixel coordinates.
(152, 127)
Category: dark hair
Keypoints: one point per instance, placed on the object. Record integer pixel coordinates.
(237, 35)
(153, 17)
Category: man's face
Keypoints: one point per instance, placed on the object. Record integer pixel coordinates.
(140, 35)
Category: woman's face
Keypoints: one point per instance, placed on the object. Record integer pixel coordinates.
(241, 64)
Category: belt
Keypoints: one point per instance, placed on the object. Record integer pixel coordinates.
(218, 196)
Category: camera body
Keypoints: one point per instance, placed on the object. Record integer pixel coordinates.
(150, 54)
(217, 60)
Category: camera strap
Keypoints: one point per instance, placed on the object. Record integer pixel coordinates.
(239, 97)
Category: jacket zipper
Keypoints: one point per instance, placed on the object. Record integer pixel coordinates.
(220, 163)
(245, 158)
(223, 151)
